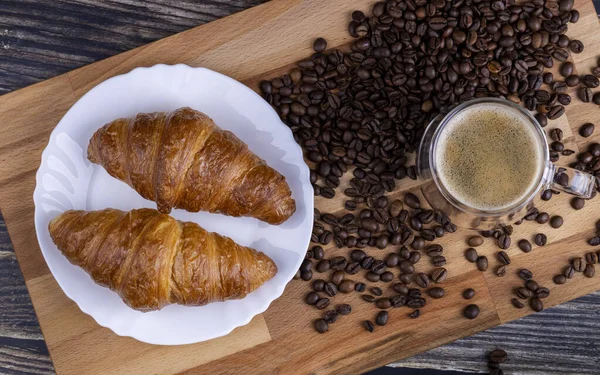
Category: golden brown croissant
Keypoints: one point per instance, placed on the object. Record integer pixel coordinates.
(182, 159)
(152, 260)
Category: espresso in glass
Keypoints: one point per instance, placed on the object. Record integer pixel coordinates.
(489, 157)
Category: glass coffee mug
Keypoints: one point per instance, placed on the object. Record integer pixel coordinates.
(437, 187)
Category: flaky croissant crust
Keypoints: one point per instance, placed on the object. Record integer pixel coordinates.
(152, 260)
(182, 159)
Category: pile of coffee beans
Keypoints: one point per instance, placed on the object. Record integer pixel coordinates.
(531, 291)
(367, 106)
(363, 109)
(585, 265)
(495, 358)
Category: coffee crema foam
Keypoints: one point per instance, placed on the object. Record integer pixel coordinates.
(488, 157)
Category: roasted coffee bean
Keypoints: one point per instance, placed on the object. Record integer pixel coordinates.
(392, 260)
(591, 258)
(376, 291)
(578, 264)
(594, 241)
(556, 221)
(542, 119)
(586, 129)
(516, 303)
(320, 45)
(525, 274)
(569, 272)
(468, 293)
(353, 268)
(368, 325)
(589, 270)
(360, 287)
(536, 304)
(566, 69)
(306, 275)
(337, 263)
(383, 303)
(504, 241)
(343, 309)
(475, 241)
(368, 298)
(322, 303)
(312, 298)
(503, 257)
(531, 285)
(585, 94)
(546, 195)
(572, 80)
(434, 250)
(436, 292)
(559, 279)
(372, 276)
(415, 314)
(405, 278)
(596, 96)
(415, 257)
(330, 316)
(400, 288)
(556, 111)
(412, 201)
(306, 265)
(542, 218)
(416, 303)
(367, 262)
(577, 203)
(542, 292)
(471, 255)
(422, 280)
(439, 261)
(498, 356)
(482, 263)
(500, 271)
(321, 326)
(387, 276)
(439, 275)
(357, 255)
(418, 243)
(540, 239)
(382, 318)
(318, 285)
(330, 289)
(471, 311)
(346, 286)
(590, 81)
(395, 208)
(523, 292)
(406, 267)
(398, 300)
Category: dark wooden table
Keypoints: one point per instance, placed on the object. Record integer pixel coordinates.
(40, 39)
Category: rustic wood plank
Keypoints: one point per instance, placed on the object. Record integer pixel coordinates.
(127, 20)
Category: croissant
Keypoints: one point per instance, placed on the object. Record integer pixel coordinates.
(182, 159)
(152, 260)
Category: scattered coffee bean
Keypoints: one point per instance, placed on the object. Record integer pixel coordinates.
(382, 318)
(503, 257)
(322, 303)
(542, 292)
(415, 314)
(436, 292)
(400, 288)
(471, 311)
(422, 280)
(559, 279)
(542, 218)
(516, 303)
(596, 98)
(585, 94)
(500, 271)
(540, 239)
(412, 201)
(471, 255)
(383, 303)
(578, 264)
(360, 287)
(586, 129)
(482, 263)
(523, 293)
(312, 298)
(320, 45)
(321, 326)
(376, 291)
(346, 286)
(566, 69)
(589, 270)
(368, 325)
(536, 304)
(387, 276)
(498, 356)
(306, 275)
(569, 272)
(525, 274)
(524, 245)
(468, 293)
(343, 309)
(591, 258)
(475, 241)
(368, 298)
(439, 275)
(531, 285)
(591, 81)
(556, 221)
(330, 316)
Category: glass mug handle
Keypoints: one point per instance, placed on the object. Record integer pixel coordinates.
(570, 181)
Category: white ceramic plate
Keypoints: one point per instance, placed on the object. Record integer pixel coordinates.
(67, 180)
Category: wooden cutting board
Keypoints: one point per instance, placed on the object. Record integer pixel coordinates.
(249, 46)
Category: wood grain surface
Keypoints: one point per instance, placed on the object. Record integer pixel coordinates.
(560, 340)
